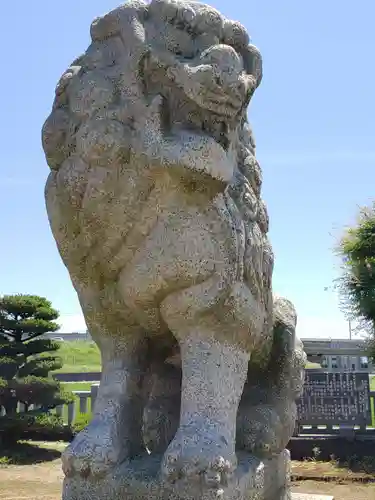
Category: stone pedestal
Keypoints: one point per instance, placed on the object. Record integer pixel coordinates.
(308, 496)
(139, 480)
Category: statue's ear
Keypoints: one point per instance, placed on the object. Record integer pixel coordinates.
(253, 63)
(253, 66)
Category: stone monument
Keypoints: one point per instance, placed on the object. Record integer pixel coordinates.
(154, 201)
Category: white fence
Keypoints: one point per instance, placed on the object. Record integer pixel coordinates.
(83, 403)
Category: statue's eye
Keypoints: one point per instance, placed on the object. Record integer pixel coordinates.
(180, 26)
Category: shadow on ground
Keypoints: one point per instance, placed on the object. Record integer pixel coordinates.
(27, 454)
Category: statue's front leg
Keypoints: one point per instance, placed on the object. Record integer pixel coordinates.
(213, 375)
(205, 440)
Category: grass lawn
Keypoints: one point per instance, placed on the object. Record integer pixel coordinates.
(82, 356)
(310, 365)
(33, 472)
(79, 356)
(77, 386)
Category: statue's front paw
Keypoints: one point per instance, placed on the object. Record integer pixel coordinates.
(197, 455)
(93, 452)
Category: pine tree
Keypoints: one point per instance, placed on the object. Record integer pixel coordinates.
(26, 359)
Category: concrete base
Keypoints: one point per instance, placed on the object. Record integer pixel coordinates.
(139, 480)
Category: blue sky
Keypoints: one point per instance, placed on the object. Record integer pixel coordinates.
(313, 119)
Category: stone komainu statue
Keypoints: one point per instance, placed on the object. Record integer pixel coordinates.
(154, 201)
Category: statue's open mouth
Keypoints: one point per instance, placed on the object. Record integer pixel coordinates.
(214, 128)
(218, 130)
(213, 125)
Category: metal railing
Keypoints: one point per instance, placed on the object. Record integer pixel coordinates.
(84, 402)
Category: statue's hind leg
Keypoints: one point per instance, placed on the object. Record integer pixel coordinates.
(267, 412)
(162, 412)
(115, 431)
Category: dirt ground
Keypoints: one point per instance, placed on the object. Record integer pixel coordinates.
(31, 482)
(42, 481)
(345, 491)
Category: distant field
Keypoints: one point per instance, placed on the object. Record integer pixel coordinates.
(79, 356)
(82, 356)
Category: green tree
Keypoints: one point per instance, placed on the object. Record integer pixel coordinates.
(356, 284)
(26, 359)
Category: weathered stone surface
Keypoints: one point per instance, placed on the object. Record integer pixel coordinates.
(140, 480)
(154, 201)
